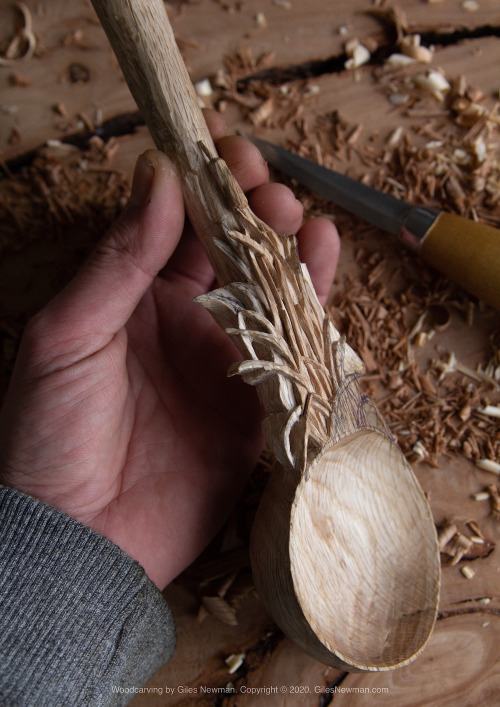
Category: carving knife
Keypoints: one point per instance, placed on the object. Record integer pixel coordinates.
(466, 251)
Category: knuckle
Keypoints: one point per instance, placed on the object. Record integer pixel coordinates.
(122, 245)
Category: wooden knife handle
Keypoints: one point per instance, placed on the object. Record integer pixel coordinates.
(468, 253)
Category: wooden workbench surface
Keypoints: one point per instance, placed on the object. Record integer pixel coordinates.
(277, 67)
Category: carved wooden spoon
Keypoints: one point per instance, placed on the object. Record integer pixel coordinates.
(346, 558)
(344, 549)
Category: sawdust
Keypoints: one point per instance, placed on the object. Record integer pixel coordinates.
(52, 213)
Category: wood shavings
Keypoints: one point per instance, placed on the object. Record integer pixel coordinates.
(431, 414)
(419, 449)
(467, 572)
(411, 47)
(456, 547)
(474, 527)
(481, 496)
(78, 73)
(235, 661)
(86, 122)
(395, 136)
(434, 82)
(76, 38)
(260, 20)
(261, 103)
(203, 88)
(393, 16)
(494, 494)
(358, 55)
(60, 109)
(492, 410)
(23, 45)
(467, 163)
(223, 582)
(470, 6)
(399, 61)
(477, 539)
(205, 93)
(18, 79)
(488, 465)
(219, 608)
(399, 99)
(261, 114)
(244, 63)
(452, 364)
(447, 531)
(354, 134)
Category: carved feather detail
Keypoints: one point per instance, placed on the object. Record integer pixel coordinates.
(306, 375)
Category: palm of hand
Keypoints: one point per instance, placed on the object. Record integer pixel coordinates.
(144, 440)
(194, 435)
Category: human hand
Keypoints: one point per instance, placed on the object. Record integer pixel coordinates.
(119, 412)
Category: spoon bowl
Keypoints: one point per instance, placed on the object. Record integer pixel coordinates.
(346, 558)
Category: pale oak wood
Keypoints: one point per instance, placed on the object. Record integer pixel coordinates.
(319, 425)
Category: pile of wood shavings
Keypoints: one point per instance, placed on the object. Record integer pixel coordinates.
(261, 103)
(51, 214)
(446, 152)
(435, 406)
(451, 155)
(449, 162)
(390, 318)
(60, 186)
(455, 546)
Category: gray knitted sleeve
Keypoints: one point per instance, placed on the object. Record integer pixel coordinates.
(80, 622)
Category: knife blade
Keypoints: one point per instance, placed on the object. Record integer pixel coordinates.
(466, 251)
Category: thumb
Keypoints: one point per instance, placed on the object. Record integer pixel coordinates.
(100, 299)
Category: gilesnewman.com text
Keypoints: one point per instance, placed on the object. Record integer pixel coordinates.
(246, 689)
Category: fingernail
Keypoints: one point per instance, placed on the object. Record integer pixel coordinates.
(143, 179)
